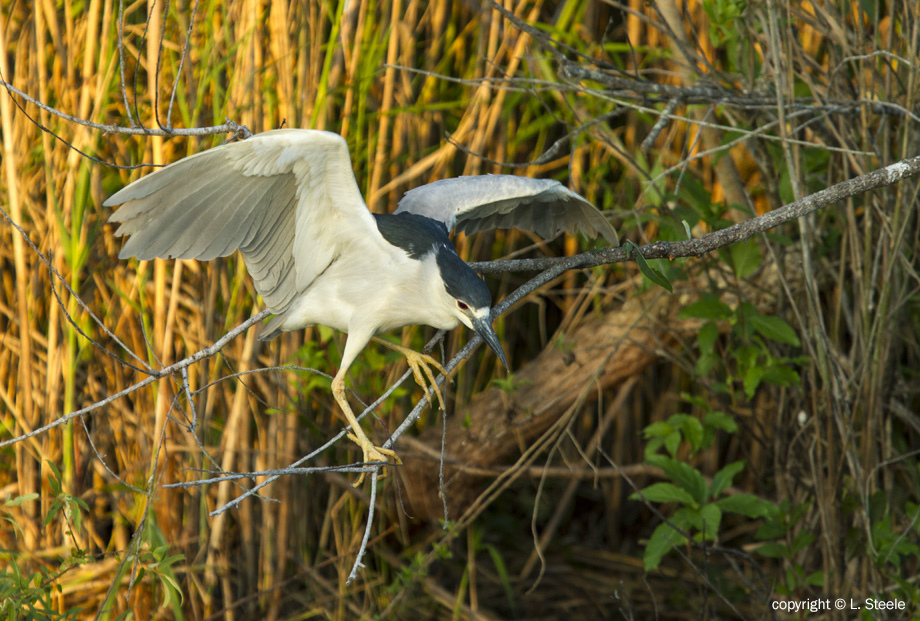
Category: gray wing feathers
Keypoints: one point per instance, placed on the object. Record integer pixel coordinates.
(205, 209)
(480, 203)
(187, 218)
(268, 251)
(261, 196)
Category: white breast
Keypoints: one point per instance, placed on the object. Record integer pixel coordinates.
(369, 287)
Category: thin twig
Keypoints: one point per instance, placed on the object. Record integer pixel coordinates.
(367, 530)
(186, 362)
(185, 50)
(121, 60)
(327, 445)
(227, 127)
(53, 270)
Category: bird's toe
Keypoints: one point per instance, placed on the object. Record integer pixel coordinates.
(372, 454)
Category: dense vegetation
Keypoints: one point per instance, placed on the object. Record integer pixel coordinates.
(709, 434)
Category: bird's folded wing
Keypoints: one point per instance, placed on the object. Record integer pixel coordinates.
(479, 203)
(287, 199)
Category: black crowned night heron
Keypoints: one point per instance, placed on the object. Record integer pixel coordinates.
(289, 202)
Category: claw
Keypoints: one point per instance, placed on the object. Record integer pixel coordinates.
(421, 363)
(372, 454)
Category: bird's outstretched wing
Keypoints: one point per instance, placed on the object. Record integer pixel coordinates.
(479, 203)
(287, 199)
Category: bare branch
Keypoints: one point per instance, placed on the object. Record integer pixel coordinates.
(367, 531)
(228, 126)
(186, 362)
(185, 52)
(718, 239)
(121, 60)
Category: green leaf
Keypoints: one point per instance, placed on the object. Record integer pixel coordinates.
(747, 356)
(170, 560)
(815, 579)
(672, 443)
(664, 492)
(711, 519)
(707, 337)
(54, 480)
(747, 505)
(878, 507)
(781, 375)
(53, 510)
(684, 475)
(169, 581)
(502, 572)
(752, 380)
(662, 541)
(81, 503)
(694, 195)
(724, 477)
(770, 529)
(773, 550)
(704, 364)
(774, 328)
(721, 420)
(655, 276)
(746, 258)
(707, 308)
(15, 502)
(693, 432)
(325, 333)
(658, 430)
(801, 541)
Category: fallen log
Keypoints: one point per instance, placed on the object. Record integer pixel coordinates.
(498, 425)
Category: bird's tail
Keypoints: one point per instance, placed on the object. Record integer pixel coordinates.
(272, 329)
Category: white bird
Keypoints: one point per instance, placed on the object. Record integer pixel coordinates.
(288, 201)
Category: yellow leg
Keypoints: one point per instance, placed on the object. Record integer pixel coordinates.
(370, 452)
(419, 363)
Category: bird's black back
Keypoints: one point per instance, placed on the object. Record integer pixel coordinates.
(416, 235)
(420, 236)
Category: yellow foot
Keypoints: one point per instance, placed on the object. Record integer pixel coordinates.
(419, 363)
(373, 454)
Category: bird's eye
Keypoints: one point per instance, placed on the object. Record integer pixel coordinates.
(461, 305)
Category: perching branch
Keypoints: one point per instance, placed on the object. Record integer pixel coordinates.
(740, 232)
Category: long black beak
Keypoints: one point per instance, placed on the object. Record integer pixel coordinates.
(484, 329)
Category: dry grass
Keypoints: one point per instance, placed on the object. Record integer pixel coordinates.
(841, 443)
